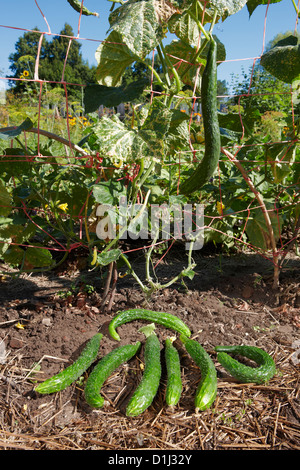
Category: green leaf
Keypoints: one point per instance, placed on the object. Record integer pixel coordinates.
(96, 95)
(283, 62)
(148, 329)
(227, 7)
(257, 230)
(138, 25)
(13, 255)
(185, 28)
(233, 121)
(12, 232)
(189, 273)
(230, 135)
(296, 93)
(37, 257)
(5, 201)
(179, 50)
(5, 221)
(253, 4)
(178, 135)
(103, 259)
(108, 192)
(281, 157)
(113, 57)
(14, 165)
(10, 134)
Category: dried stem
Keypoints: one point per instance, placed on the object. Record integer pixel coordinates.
(260, 200)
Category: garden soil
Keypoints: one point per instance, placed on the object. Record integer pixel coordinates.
(46, 320)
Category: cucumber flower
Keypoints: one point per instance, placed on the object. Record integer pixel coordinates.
(63, 207)
(220, 207)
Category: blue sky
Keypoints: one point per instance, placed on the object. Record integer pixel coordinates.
(241, 35)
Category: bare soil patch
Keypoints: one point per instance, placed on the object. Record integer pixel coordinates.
(229, 301)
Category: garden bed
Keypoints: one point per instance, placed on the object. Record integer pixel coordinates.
(231, 302)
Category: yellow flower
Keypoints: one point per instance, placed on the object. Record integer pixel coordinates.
(63, 207)
(26, 73)
(19, 326)
(220, 207)
(117, 162)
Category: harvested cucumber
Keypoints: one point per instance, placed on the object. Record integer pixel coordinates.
(104, 369)
(242, 372)
(174, 382)
(64, 378)
(166, 319)
(148, 386)
(207, 389)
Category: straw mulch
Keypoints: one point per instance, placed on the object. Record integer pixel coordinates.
(243, 417)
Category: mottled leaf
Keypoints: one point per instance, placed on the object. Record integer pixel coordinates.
(116, 140)
(137, 23)
(227, 7)
(113, 57)
(283, 62)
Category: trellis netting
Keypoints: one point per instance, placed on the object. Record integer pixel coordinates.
(126, 140)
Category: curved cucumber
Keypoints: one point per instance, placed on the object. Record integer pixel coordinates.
(266, 365)
(174, 382)
(64, 378)
(148, 386)
(166, 319)
(104, 369)
(207, 389)
(209, 163)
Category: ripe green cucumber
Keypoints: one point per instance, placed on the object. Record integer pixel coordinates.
(104, 369)
(166, 319)
(174, 382)
(207, 389)
(266, 365)
(146, 390)
(209, 163)
(64, 378)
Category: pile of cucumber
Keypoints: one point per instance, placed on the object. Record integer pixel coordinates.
(147, 389)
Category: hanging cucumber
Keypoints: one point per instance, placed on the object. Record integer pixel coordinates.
(166, 319)
(174, 382)
(209, 163)
(64, 378)
(104, 369)
(145, 392)
(266, 365)
(76, 4)
(207, 389)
